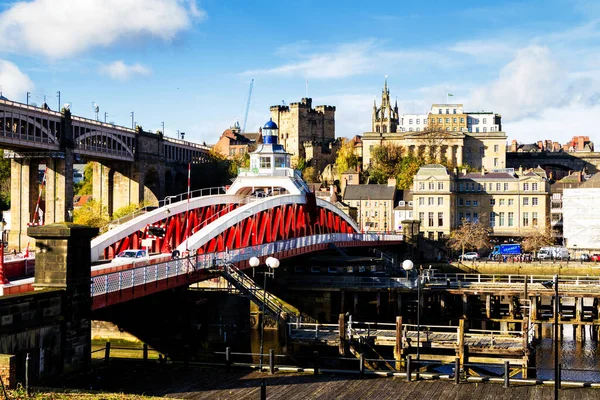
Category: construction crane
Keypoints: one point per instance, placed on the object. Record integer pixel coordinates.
(248, 106)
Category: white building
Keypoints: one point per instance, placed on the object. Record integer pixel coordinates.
(581, 219)
(413, 122)
(402, 212)
(481, 122)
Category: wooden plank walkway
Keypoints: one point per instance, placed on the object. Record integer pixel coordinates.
(176, 381)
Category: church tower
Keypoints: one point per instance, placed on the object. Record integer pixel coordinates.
(385, 118)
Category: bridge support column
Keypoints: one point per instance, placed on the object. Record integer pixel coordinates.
(24, 191)
(102, 191)
(126, 187)
(55, 191)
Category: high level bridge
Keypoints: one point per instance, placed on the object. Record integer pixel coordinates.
(130, 166)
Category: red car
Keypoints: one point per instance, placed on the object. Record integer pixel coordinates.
(595, 257)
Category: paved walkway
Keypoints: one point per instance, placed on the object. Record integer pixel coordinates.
(175, 381)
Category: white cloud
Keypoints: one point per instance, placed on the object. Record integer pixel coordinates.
(121, 71)
(59, 29)
(13, 82)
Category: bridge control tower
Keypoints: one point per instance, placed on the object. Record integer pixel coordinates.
(270, 171)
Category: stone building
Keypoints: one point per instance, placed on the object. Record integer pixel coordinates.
(447, 134)
(374, 204)
(581, 226)
(512, 203)
(307, 132)
(233, 143)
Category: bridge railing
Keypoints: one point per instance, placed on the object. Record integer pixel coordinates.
(30, 107)
(111, 282)
(469, 279)
(167, 201)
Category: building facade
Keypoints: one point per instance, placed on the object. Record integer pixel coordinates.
(301, 126)
(233, 143)
(374, 205)
(512, 203)
(581, 220)
(447, 134)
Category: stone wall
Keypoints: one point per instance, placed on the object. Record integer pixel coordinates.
(8, 370)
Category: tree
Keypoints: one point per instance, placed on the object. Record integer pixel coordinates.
(346, 157)
(310, 175)
(4, 183)
(538, 238)
(86, 186)
(387, 158)
(91, 214)
(469, 236)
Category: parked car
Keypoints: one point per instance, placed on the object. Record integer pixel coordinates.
(471, 256)
(595, 257)
(585, 257)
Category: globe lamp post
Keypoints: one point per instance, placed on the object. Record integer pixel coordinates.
(408, 266)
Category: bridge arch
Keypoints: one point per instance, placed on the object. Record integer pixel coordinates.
(106, 140)
(19, 125)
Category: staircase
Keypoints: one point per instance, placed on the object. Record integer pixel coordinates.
(389, 263)
(272, 304)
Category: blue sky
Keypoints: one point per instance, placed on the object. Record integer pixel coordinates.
(189, 63)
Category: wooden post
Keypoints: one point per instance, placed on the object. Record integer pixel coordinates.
(465, 305)
(578, 319)
(398, 345)
(535, 302)
(228, 359)
(408, 368)
(488, 306)
(378, 300)
(506, 374)
(271, 361)
(355, 303)
(342, 328)
(442, 305)
(461, 341)
(316, 360)
(145, 352)
(457, 370)
(525, 333)
(107, 353)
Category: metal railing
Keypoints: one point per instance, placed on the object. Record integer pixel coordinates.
(111, 282)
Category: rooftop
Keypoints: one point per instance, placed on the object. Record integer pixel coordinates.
(369, 192)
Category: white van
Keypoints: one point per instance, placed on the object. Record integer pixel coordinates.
(556, 253)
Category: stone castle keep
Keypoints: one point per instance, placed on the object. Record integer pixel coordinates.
(307, 132)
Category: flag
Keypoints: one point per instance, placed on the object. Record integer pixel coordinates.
(450, 95)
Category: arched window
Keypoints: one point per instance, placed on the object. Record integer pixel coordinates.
(377, 129)
(384, 129)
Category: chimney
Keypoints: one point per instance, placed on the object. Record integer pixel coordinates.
(520, 170)
(482, 171)
(392, 182)
(513, 146)
(464, 171)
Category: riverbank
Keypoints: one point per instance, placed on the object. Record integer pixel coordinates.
(534, 268)
(195, 382)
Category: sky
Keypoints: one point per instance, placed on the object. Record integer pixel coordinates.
(189, 63)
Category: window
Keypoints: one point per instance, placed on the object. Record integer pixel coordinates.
(410, 121)
(447, 120)
(468, 203)
(461, 217)
(461, 202)
(468, 217)
(492, 202)
(440, 201)
(454, 129)
(454, 111)
(481, 151)
(501, 222)
(440, 235)
(430, 219)
(485, 120)
(447, 111)
(511, 218)
(462, 187)
(421, 201)
(376, 214)
(479, 187)
(472, 186)
(496, 148)
(265, 162)
(431, 185)
(495, 161)
(422, 217)
(475, 217)
(430, 235)
(440, 219)
(484, 129)
(511, 202)
(534, 187)
(525, 219)
(440, 111)
(525, 201)
(366, 204)
(418, 121)
(425, 121)
(534, 219)
(454, 120)
(497, 186)
(462, 120)
(475, 203)
(469, 120)
(476, 130)
(280, 162)
(440, 120)
(526, 186)
(492, 219)
(501, 202)
(430, 201)
(506, 187)
(232, 152)
(534, 201)
(440, 185)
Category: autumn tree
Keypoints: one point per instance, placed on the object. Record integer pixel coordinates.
(91, 214)
(538, 238)
(469, 236)
(4, 183)
(346, 157)
(86, 186)
(310, 175)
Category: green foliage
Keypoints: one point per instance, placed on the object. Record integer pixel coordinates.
(346, 158)
(388, 161)
(4, 183)
(310, 174)
(301, 164)
(217, 171)
(91, 214)
(86, 186)
(126, 210)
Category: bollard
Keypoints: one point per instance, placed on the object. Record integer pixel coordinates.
(263, 390)
(408, 368)
(506, 374)
(228, 358)
(457, 370)
(107, 353)
(271, 361)
(361, 366)
(145, 352)
(27, 374)
(316, 359)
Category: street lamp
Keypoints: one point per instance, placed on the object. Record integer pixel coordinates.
(272, 263)
(549, 285)
(408, 266)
